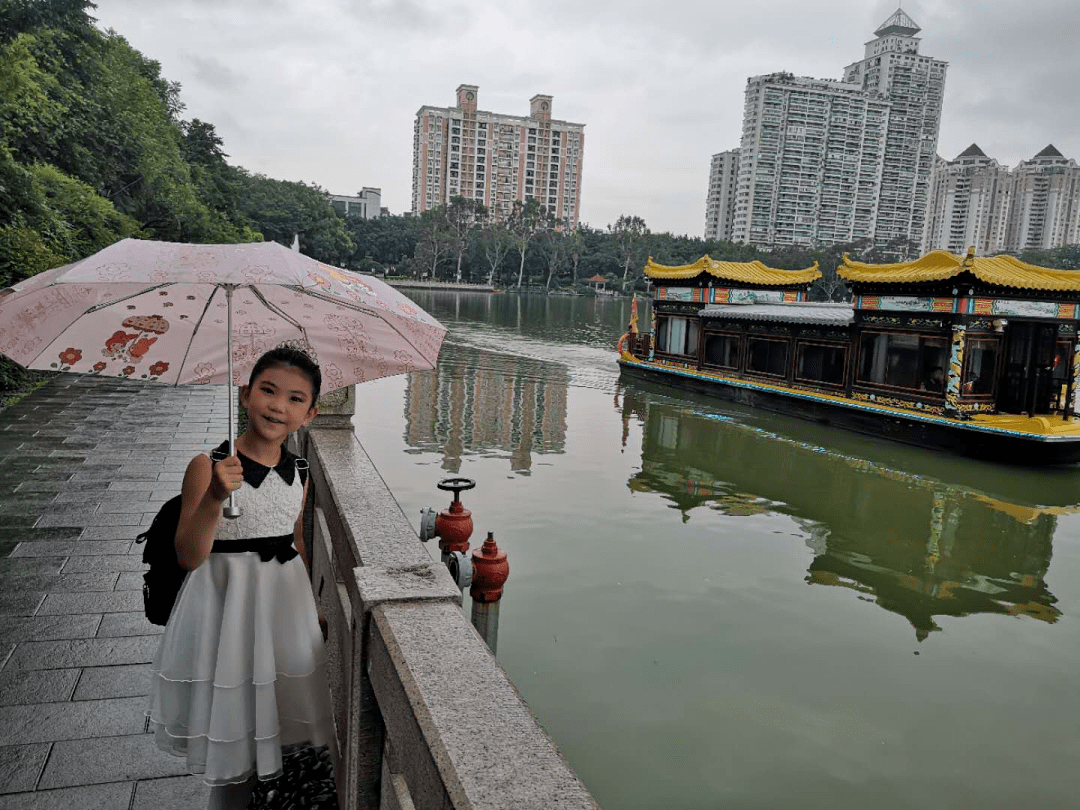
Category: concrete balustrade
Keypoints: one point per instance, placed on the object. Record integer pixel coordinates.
(426, 717)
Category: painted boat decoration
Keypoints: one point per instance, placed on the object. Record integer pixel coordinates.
(973, 355)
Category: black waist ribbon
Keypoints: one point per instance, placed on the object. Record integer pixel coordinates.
(278, 548)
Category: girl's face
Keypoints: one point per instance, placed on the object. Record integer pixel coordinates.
(278, 402)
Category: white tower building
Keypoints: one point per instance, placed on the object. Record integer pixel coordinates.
(893, 67)
(969, 205)
(720, 200)
(1045, 205)
(826, 161)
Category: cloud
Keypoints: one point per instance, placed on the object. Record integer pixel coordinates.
(326, 91)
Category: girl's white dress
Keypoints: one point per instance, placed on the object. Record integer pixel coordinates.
(241, 667)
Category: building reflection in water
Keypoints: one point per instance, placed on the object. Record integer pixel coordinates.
(483, 403)
(894, 534)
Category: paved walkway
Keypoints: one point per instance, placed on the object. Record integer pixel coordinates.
(85, 463)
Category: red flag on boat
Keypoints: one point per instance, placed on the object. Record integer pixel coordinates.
(633, 316)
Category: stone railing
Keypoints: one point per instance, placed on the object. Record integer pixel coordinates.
(426, 717)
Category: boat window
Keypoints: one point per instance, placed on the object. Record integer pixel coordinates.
(722, 351)
(904, 360)
(677, 336)
(822, 363)
(980, 364)
(767, 356)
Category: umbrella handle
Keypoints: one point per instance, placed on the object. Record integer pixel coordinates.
(230, 510)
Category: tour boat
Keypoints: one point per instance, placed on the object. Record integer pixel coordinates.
(976, 355)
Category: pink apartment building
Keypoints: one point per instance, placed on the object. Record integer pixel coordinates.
(495, 158)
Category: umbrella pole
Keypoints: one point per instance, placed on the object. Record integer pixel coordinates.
(230, 510)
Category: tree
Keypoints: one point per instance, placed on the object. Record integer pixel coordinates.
(575, 249)
(523, 224)
(629, 233)
(282, 209)
(496, 241)
(435, 240)
(554, 237)
(463, 214)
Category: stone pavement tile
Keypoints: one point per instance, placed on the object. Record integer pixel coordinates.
(49, 475)
(48, 628)
(115, 796)
(132, 486)
(118, 625)
(62, 583)
(123, 507)
(174, 793)
(46, 686)
(112, 602)
(91, 652)
(109, 562)
(60, 534)
(100, 496)
(20, 766)
(129, 581)
(22, 521)
(20, 603)
(178, 477)
(79, 519)
(114, 520)
(32, 565)
(62, 486)
(72, 720)
(19, 502)
(65, 514)
(111, 759)
(113, 682)
(80, 547)
(110, 533)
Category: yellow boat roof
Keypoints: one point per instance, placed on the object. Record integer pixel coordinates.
(1000, 271)
(744, 272)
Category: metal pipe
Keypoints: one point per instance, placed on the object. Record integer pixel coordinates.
(230, 510)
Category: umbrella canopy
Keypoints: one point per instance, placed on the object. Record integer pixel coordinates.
(161, 311)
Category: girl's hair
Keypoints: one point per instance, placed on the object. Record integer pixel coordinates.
(288, 356)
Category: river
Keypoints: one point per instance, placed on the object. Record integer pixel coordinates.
(712, 607)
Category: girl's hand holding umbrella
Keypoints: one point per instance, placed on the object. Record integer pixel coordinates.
(227, 477)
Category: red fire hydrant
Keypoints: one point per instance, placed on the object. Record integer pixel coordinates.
(490, 569)
(453, 526)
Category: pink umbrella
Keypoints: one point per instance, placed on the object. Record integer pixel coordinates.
(179, 313)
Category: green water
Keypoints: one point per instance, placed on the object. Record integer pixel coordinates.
(711, 607)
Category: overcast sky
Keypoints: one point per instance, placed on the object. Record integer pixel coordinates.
(326, 91)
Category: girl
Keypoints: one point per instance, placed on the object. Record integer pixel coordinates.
(240, 670)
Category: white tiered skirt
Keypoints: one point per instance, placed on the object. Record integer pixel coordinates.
(241, 669)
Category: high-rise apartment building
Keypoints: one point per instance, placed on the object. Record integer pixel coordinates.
(969, 204)
(811, 161)
(826, 161)
(1045, 206)
(915, 85)
(720, 200)
(497, 159)
(977, 202)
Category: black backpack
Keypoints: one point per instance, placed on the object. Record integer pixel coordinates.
(162, 582)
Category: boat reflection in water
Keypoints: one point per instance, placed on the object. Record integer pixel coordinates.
(900, 528)
(483, 403)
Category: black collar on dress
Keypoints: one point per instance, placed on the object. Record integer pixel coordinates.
(254, 472)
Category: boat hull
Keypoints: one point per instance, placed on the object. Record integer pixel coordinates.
(953, 435)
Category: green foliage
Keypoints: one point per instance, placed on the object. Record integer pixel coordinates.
(383, 244)
(1066, 257)
(281, 209)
